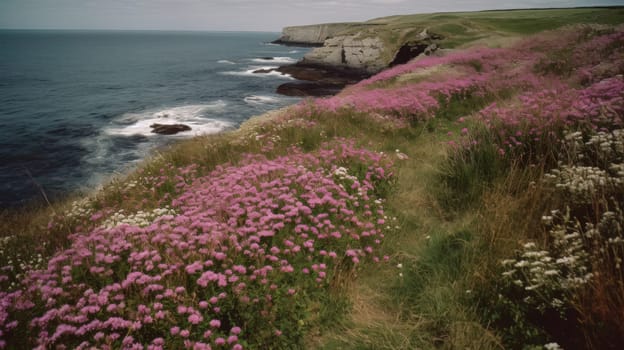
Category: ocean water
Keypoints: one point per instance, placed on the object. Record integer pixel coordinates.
(75, 107)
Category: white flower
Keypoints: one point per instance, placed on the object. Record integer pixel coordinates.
(552, 346)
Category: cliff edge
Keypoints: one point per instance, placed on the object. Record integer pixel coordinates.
(310, 35)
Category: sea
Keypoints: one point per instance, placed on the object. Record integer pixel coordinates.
(76, 106)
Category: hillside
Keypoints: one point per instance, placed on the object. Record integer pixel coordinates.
(471, 199)
(376, 44)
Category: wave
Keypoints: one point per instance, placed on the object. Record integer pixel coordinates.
(226, 62)
(194, 116)
(249, 72)
(261, 99)
(276, 60)
(294, 51)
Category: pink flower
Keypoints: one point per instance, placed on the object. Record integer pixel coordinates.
(195, 318)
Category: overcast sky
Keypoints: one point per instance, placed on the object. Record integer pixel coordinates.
(255, 15)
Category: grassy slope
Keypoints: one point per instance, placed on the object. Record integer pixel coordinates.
(444, 254)
(463, 28)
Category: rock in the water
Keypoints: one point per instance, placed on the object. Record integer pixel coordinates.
(263, 71)
(169, 129)
(323, 80)
(323, 73)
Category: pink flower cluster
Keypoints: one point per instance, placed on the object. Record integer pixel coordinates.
(419, 100)
(487, 58)
(475, 72)
(542, 116)
(598, 58)
(223, 273)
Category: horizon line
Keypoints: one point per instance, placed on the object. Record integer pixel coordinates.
(137, 30)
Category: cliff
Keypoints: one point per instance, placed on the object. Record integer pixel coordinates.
(310, 35)
(369, 46)
(368, 50)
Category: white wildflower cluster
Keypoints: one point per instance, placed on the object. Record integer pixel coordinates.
(263, 130)
(343, 174)
(549, 276)
(400, 267)
(579, 245)
(391, 223)
(131, 185)
(582, 182)
(346, 180)
(608, 237)
(607, 146)
(552, 346)
(16, 262)
(140, 218)
(80, 209)
(598, 166)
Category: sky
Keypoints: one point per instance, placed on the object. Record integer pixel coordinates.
(233, 15)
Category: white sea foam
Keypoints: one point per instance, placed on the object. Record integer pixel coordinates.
(276, 60)
(261, 99)
(249, 72)
(195, 116)
(226, 62)
(294, 51)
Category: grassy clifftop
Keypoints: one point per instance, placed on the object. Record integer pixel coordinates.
(471, 200)
(464, 27)
(453, 30)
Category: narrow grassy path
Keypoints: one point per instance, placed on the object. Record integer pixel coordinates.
(414, 300)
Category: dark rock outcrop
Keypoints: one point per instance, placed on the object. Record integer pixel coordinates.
(412, 50)
(263, 71)
(296, 43)
(309, 89)
(320, 80)
(323, 73)
(169, 129)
